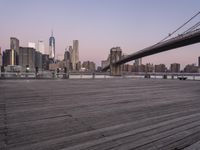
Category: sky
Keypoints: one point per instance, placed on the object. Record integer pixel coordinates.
(100, 25)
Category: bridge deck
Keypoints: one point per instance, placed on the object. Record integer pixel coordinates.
(118, 114)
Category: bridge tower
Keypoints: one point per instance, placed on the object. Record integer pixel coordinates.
(115, 55)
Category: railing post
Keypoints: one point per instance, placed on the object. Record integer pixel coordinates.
(36, 72)
(147, 76)
(65, 75)
(2, 72)
(53, 74)
(164, 76)
(93, 75)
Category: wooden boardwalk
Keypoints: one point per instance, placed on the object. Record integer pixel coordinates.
(100, 114)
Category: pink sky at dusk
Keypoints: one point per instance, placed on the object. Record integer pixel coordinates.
(99, 26)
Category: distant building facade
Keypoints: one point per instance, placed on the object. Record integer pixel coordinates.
(27, 57)
(149, 67)
(137, 66)
(9, 57)
(38, 60)
(142, 68)
(41, 47)
(53, 66)
(175, 67)
(89, 66)
(99, 69)
(59, 65)
(160, 68)
(45, 62)
(138, 61)
(127, 68)
(78, 66)
(71, 50)
(31, 45)
(191, 68)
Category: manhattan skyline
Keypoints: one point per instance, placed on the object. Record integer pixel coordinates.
(99, 26)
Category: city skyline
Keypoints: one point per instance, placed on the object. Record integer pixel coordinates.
(99, 26)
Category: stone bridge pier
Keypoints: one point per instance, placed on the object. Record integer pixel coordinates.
(115, 55)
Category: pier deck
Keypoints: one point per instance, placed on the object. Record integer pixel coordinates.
(100, 114)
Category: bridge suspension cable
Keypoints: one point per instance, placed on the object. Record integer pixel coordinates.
(192, 28)
(182, 27)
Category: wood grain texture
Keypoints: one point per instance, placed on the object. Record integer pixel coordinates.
(100, 114)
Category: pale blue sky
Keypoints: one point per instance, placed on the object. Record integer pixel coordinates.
(99, 25)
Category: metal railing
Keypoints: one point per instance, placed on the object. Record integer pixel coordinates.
(96, 75)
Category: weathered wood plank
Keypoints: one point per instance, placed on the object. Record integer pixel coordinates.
(99, 114)
(195, 146)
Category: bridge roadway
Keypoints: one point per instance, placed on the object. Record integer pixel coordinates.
(100, 114)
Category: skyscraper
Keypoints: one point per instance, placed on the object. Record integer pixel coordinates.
(52, 47)
(38, 60)
(70, 49)
(9, 57)
(14, 45)
(75, 54)
(41, 47)
(67, 59)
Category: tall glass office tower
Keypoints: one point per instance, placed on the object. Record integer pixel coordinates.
(14, 45)
(52, 47)
(75, 54)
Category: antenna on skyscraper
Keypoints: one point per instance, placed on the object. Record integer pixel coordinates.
(52, 32)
